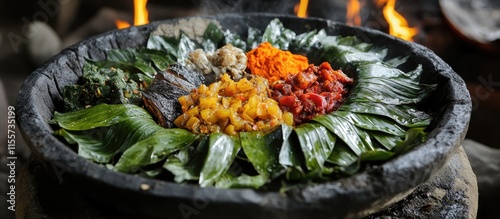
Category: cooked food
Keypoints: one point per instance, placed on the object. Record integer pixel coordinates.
(281, 117)
(230, 107)
(160, 99)
(315, 91)
(274, 64)
(227, 59)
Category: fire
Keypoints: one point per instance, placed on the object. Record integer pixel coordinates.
(398, 26)
(301, 8)
(140, 15)
(353, 17)
(121, 24)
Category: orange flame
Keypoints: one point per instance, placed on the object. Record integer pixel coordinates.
(398, 26)
(140, 15)
(121, 24)
(353, 17)
(300, 8)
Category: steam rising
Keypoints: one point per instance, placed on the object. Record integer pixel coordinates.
(244, 6)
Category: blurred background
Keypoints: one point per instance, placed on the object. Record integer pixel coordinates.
(464, 33)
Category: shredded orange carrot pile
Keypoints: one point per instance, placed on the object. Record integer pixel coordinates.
(274, 64)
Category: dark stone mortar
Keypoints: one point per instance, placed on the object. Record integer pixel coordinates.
(351, 197)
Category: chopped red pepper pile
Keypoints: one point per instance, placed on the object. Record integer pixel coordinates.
(317, 90)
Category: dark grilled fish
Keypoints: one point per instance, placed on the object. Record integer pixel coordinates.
(161, 97)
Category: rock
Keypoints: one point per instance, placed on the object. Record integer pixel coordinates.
(485, 162)
(451, 193)
(43, 42)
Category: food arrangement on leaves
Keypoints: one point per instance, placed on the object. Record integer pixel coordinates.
(271, 111)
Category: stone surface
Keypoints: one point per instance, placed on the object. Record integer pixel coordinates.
(450, 193)
(485, 162)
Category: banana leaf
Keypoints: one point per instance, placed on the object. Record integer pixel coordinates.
(235, 40)
(188, 162)
(389, 91)
(388, 141)
(316, 143)
(372, 122)
(403, 114)
(178, 48)
(380, 155)
(342, 155)
(154, 149)
(357, 139)
(222, 150)
(244, 181)
(288, 156)
(254, 38)
(130, 57)
(262, 150)
(163, 43)
(102, 144)
(213, 37)
(382, 70)
(414, 136)
(277, 35)
(305, 42)
(102, 115)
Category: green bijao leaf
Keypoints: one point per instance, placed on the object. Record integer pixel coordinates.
(404, 115)
(291, 156)
(382, 70)
(277, 35)
(357, 139)
(254, 38)
(213, 37)
(340, 52)
(154, 149)
(102, 144)
(143, 59)
(342, 155)
(161, 59)
(316, 143)
(188, 162)
(372, 122)
(389, 91)
(388, 141)
(414, 136)
(222, 150)
(234, 39)
(378, 155)
(130, 57)
(176, 163)
(101, 115)
(185, 46)
(288, 156)
(306, 41)
(243, 181)
(163, 43)
(262, 150)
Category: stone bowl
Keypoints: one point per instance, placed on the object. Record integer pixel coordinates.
(352, 197)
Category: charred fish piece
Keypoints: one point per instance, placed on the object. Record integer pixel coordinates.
(161, 100)
(182, 77)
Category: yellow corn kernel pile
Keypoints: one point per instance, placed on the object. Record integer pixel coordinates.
(228, 106)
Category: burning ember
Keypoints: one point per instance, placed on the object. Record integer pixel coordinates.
(140, 15)
(398, 25)
(353, 17)
(301, 8)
